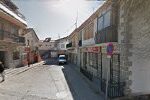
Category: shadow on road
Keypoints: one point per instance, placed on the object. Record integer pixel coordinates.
(51, 61)
(77, 86)
(66, 71)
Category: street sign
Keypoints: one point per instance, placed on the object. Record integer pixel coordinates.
(110, 49)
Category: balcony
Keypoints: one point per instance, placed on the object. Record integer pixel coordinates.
(108, 34)
(13, 13)
(9, 37)
(80, 43)
(69, 45)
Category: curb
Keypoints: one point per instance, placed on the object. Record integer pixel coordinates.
(16, 71)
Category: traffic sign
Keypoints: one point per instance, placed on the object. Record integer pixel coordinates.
(110, 49)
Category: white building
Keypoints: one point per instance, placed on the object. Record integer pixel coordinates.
(61, 45)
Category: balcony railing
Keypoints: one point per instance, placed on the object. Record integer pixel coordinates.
(16, 12)
(69, 45)
(80, 43)
(7, 36)
(108, 34)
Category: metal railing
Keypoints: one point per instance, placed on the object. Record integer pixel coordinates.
(16, 12)
(7, 36)
(115, 89)
(108, 34)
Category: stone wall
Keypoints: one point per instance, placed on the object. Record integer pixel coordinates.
(134, 43)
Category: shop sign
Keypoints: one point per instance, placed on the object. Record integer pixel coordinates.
(104, 48)
(94, 49)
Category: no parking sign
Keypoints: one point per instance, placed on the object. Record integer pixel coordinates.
(110, 49)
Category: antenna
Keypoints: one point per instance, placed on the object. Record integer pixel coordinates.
(76, 23)
(58, 36)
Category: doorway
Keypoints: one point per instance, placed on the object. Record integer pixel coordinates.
(2, 57)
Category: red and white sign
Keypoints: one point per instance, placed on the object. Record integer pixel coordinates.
(110, 49)
(93, 49)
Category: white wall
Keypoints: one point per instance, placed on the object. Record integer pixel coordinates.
(140, 75)
(88, 42)
(46, 45)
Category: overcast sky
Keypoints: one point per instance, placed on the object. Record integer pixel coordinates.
(54, 18)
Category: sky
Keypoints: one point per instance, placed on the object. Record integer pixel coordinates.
(56, 18)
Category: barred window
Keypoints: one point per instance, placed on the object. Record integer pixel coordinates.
(93, 60)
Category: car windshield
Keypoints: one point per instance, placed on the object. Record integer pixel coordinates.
(61, 57)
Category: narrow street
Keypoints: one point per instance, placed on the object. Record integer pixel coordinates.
(47, 82)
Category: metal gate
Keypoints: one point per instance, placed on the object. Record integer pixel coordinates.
(115, 86)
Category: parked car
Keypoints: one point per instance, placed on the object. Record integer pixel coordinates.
(62, 59)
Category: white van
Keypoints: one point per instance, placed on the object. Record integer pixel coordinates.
(62, 59)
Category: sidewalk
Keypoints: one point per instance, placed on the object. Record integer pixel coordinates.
(91, 85)
(15, 71)
(79, 87)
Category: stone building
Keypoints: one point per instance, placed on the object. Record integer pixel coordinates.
(134, 36)
(12, 25)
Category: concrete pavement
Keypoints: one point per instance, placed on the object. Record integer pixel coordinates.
(14, 71)
(47, 82)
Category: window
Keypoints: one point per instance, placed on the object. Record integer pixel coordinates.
(104, 20)
(93, 62)
(100, 23)
(107, 19)
(0, 25)
(62, 45)
(7, 27)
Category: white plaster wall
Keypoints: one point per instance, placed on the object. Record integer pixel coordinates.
(88, 42)
(46, 45)
(54, 54)
(140, 75)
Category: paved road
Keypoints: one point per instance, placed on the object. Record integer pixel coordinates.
(47, 82)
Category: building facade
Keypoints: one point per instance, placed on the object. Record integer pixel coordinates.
(30, 50)
(61, 45)
(113, 47)
(72, 46)
(47, 48)
(12, 25)
(134, 43)
(94, 36)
